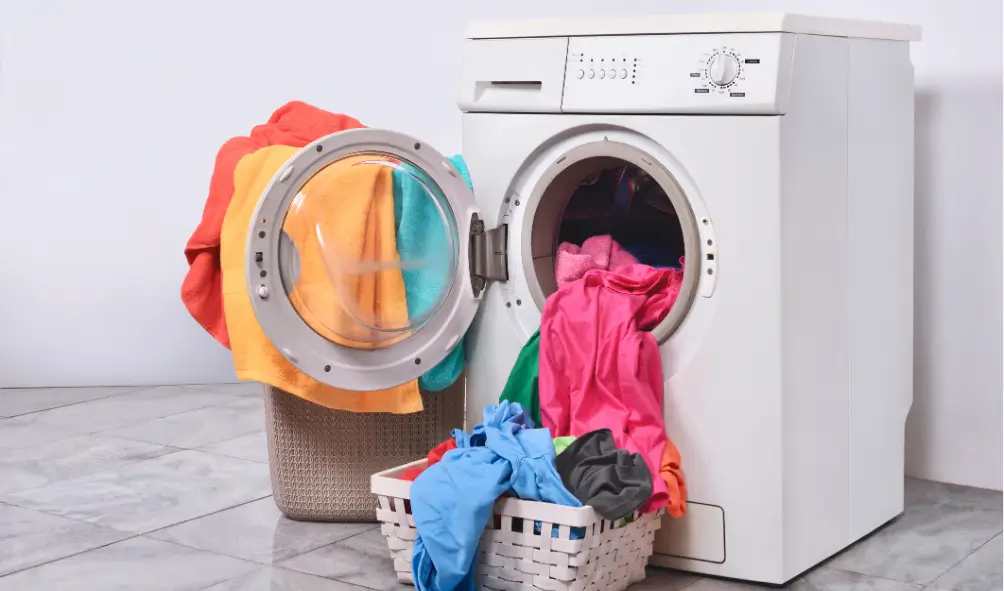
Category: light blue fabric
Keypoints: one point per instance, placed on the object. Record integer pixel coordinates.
(421, 236)
(452, 500)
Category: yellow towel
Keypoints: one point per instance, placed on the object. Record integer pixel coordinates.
(357, 228)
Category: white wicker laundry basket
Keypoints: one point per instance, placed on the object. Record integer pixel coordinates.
(609, 557)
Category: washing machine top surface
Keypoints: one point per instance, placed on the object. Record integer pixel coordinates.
(768, 22)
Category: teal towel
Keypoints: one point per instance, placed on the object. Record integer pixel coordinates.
(421, 236)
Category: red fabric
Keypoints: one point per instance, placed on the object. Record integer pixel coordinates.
(600, 368)
(412, 473)
(295, 124)
(434, 457)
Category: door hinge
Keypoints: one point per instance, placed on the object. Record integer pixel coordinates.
(489, 254)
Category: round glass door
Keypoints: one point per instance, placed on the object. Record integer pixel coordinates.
(358, 259)
(368, 251)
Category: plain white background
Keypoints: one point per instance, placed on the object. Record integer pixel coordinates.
(111, 112)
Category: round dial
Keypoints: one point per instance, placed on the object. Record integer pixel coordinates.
(723, 69)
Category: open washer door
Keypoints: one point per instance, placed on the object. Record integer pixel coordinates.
(367, 258)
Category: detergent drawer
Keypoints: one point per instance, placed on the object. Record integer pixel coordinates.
(513, 75)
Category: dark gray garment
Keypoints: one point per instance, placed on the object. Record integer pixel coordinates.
(614, 482)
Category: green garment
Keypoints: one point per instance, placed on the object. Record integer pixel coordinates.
(522, 386)
(562, 443)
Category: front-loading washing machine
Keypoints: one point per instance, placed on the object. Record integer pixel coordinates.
(780, 153)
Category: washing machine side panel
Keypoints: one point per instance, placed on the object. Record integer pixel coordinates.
(814, 277)
(880, 208)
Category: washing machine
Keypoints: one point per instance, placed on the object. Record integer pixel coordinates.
(778, 154)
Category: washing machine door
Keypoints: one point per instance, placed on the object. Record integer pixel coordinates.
(367, 258)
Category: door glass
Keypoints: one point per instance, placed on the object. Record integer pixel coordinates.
(369, 250)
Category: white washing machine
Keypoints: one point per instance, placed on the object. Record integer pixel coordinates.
(782, 148)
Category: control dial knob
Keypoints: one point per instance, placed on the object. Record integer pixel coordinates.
(723, 69)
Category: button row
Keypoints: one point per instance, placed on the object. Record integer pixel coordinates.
(601, 74)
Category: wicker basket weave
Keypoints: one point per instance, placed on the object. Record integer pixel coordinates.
(515, 556)
(321, 460)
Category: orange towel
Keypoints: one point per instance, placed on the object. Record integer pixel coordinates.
(294, 124)
(351, 204)
(671, 472)
(254, 356)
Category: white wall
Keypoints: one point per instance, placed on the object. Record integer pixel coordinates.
(111, 112)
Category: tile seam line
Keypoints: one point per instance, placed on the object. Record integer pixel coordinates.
(191, 448)
(133, 423)
(129, 535)
(257, 565)
(374, 526)
(133, 536)
(221, 455)
(290, 570)
(963, 559)
(5, 497)
(854, 572)
(190, 519)
(218, 553)
(126, 393)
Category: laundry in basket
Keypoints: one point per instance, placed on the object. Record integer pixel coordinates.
(439, 539)
(610, 556)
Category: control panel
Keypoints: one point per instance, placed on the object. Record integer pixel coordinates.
(707, 73)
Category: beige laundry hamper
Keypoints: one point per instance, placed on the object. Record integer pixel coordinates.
(321, 460)
(325, 229)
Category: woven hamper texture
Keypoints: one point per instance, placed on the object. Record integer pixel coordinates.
(529, 546)
(321, 460)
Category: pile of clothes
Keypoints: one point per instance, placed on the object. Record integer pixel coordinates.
(579, 422)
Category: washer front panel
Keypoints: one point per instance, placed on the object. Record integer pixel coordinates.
(330, 363)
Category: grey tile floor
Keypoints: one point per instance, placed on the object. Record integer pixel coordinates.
(168, 488)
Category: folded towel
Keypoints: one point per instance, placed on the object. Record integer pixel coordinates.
(254, 356)
(597, 252)
(294, 124)
(421, 236)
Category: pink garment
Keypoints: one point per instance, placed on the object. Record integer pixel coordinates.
(600, 368)
(597, 252)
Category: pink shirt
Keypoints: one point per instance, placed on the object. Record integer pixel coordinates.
(600, 368)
